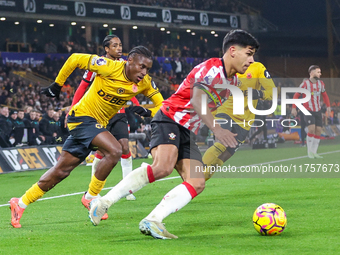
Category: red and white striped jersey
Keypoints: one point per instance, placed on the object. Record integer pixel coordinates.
(314, 104)
(209, 74)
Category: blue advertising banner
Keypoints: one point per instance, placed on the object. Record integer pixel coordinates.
(29, 58)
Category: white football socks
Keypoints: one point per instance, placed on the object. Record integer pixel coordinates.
(173, 201)
(133, 182)
(310, 140)
(315, 145)
(126, 164)
(94, 165)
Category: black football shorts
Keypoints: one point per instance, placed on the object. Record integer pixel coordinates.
(167, 131)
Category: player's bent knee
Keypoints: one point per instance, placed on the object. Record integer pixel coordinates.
(125, 150)
(115, 154)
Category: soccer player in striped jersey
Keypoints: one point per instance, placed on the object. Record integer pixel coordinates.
(116, 83)
(256, 77)
(173, 130)
(313, 121)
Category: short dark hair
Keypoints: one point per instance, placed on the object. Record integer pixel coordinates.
(140, 50)
(312, 67)
(107, 39)
(241, 38)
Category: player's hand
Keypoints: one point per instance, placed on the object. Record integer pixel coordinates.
(226, 137)
(140, 111)
(294, 112)
(257, 94)
(52, 91)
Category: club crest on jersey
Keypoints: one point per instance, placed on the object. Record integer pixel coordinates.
(120, 91)
(172, 136)
(134, 88)
(249, 76)
(101, 61)
(239, 83)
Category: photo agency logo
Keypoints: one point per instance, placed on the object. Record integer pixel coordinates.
(239, 98)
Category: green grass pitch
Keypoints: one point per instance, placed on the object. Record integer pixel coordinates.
(218, 221)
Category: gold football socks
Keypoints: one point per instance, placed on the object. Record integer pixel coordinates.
(210, 159)
(32, 194)
(95, 186)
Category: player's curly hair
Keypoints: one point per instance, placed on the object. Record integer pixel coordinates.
(107, 39)
(239, 37)
(140, 50)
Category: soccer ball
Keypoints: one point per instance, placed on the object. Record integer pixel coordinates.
(89, 159)
(269, 219)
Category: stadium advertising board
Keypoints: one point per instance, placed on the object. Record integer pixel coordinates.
(121, 12)
(30, 158)
(29, 58)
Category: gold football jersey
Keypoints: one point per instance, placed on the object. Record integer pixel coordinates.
(256, 76)
(111, 88)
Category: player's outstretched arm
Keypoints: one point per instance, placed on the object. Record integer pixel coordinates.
(100, 65)
(226, 137)
(155, 96)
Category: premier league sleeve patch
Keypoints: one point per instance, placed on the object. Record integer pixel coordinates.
(101, 61)
(267, 75)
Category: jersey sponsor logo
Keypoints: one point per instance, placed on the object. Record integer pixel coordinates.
(101, 61)
(29, 6)
(80, 9)
(120, 91)
(166, 15)
(110, 98)
(125, 12)
(204, 19)
(267, 75)
(172, 136)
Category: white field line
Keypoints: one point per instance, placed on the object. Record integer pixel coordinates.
(175, 177)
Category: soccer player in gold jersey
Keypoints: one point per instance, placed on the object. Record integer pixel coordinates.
(255, 77)
(116, 83)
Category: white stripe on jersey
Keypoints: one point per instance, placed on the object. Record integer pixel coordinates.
(178, 107)
(314, 104)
